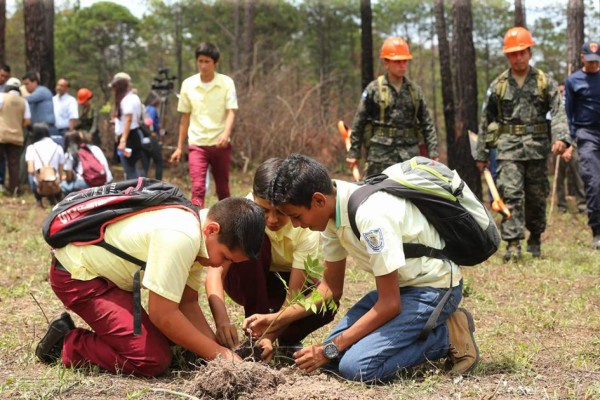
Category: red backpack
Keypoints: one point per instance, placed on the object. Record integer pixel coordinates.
(93, 170)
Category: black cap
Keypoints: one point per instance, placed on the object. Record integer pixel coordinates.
(591, 51)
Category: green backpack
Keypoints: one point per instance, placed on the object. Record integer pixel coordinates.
(466, 226)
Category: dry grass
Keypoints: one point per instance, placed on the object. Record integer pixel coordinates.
(538, 329)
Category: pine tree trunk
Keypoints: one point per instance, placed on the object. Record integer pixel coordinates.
(445, 72)
(366, 42)
(39, 39)
(575, 12)
(2, 32)
(520, 18)
(459, 155)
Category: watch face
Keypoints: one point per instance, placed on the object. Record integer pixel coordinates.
(330, 350)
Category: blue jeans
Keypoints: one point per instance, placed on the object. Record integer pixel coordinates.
(73, 186)
(396, 344)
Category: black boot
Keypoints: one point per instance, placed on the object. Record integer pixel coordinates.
(513, 251)
(534, 245)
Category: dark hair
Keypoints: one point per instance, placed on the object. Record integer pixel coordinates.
(297, 179)
(73, 139)
(264, 175)
(39, 130)
(33, 76)
(121, 88)
(151, 99)
(242, 224)
(209, 50)
(5, 67)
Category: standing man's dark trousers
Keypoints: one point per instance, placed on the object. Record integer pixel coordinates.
(588, 145)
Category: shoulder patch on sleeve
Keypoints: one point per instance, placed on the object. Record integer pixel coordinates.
(374, 240)
(363, 95)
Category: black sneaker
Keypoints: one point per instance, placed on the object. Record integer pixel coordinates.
(596, 242)
(49, 349)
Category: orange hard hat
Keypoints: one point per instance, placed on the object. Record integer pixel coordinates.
(395, 48)
(84, 95)
(517, 39)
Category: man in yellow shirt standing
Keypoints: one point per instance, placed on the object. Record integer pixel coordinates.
(207, 104)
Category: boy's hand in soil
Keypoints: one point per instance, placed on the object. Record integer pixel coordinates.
(266, 345)
(311, 358)
(259, 324)
(227, 335)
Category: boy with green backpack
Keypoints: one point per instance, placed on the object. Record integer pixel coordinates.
(413, 314)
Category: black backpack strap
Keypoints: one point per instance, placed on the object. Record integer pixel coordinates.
(432, 321)
(375, 184)
(137, 285)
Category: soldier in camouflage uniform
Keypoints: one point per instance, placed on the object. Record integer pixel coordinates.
(514, 122)
(391, 115)
(88, 116)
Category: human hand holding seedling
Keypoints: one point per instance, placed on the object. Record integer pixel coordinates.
(258, 325)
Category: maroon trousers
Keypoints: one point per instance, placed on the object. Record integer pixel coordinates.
(219, 159)
(111, 345)
(259, 291)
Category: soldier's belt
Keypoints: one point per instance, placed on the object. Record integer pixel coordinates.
(393, 132)
(535, 129)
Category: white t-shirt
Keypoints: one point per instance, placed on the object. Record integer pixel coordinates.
(45, 152)
(130, 105)
(65, 109)
(97, 152)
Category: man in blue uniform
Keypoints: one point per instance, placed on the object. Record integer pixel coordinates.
(582, 102)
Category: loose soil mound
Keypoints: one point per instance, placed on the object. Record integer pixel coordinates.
(221, 379)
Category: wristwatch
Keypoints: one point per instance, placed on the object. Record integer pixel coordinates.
(330, 350)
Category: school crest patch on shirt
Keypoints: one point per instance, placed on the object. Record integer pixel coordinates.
(374, 239)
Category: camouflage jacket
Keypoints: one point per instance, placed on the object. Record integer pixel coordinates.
(398, 115)
(520, 108)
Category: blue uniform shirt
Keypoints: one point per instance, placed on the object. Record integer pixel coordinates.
(582, 100)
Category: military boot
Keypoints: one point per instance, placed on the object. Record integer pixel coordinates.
(513, 251)
(534, 245)
(463, 355)
(596, 242)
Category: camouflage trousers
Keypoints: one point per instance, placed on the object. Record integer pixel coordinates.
(524, 187)
(380, 156)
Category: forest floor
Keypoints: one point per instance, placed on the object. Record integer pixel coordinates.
(537, 327)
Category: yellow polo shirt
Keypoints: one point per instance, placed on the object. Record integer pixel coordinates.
(168, 239)
(291, 246)
(385, 223)
(207, 105)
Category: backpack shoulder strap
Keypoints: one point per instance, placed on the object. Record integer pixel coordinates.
(384, 97)
(415, 99)
(502, 84)
(542, 83)
(41, 159)
(411, 250)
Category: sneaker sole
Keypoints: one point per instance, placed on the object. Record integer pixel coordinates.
(471, 323)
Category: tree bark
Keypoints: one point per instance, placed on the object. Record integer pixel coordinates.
(459, 155)
(520, 17)
(575, 15)
(445, 72)
(39, 39)
(366, 42)
(2, 32)
(249, 12)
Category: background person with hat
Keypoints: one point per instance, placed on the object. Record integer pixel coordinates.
(392, 115)
(582, 103)
(514, 122)
(14, 116)
(88, 116)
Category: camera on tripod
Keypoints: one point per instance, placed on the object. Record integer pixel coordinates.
(163, 81)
